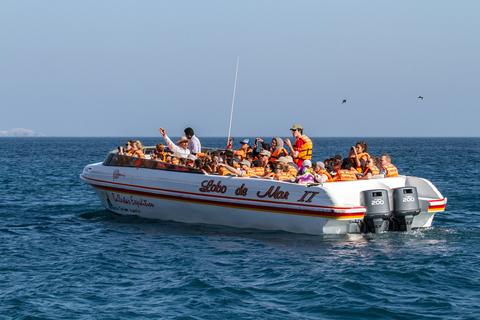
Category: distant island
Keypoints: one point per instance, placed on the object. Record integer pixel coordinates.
(20, 132)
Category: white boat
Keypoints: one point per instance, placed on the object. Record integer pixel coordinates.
(152, 189)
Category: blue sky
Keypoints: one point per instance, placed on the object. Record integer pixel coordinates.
(125, 68)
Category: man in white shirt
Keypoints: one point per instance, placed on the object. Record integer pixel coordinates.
(180, 149)
(193, 143)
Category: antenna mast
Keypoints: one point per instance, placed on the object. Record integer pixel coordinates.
(233, 101)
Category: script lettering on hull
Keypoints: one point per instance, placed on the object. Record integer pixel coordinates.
(211, 186)
(275, 193)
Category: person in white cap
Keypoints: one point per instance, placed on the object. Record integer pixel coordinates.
(180, 149)
(321, 175)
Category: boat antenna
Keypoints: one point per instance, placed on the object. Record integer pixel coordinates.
(233, 101)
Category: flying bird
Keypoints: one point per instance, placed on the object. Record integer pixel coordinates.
(344, 101)
(420, 98)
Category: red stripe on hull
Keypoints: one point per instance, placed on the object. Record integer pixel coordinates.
(356, 215)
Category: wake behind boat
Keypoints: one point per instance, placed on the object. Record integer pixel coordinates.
(154, 189)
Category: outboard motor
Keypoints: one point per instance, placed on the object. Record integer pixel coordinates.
(378, 213)
(405, 207)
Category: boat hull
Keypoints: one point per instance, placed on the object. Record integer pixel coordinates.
(333, 208)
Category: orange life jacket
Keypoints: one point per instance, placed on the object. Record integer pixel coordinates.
(257, 171)
(305, 152)
(277, 153)
(325, 172)
(345, 175)
(391, 170)
(292, 171)
(284, 176)
(161, 156)
(224, 171)
(374, 171)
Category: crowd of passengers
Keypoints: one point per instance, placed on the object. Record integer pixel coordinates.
(278, 160)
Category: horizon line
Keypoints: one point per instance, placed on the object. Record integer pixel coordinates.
(245, 136)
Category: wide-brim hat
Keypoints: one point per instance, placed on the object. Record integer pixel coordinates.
(182, 139)
(296, 126)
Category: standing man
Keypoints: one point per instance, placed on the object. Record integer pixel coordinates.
(303, 145)
(193, 143)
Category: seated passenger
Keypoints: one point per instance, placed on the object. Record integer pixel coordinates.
(175, 161)
(159, 153)
(305, 174)
(360, 156)
(387, 168)
(371, 169)
(128, 150)
(259, 165)
(190, 161)
(138, 150)
(243, 171)
(269, 171)
(277, 149)
(344, 171)
(180, 149)
(321, 174)
(283, 171)
(244, 149)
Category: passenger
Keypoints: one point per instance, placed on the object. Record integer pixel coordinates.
(160, 153)
(180, 149)
(321, 174)
(138, 150)
(194, 144)
(371, 169)
(277, 150)
(129, 148)
(360, 155)
(305, 174)
(175, 161)
(345, 171)
(303, 145)
(190, 161)
(168, 158)
(292, 167)
(259, 165)
(269, 171)
(244, 150)
(243, 171)
(229, 144)
(263, 146)
(282, 170)
(387, 168)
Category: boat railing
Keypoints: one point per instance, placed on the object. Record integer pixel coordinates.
(114, 159)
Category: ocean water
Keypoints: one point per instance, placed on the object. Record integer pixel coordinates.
(62, 256)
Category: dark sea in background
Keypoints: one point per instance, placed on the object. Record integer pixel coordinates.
(62, 256)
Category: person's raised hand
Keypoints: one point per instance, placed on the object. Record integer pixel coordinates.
(162, 132)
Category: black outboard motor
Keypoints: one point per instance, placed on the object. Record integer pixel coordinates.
(405, 207)
(378, 213)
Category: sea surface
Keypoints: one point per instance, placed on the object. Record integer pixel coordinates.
(62, 256)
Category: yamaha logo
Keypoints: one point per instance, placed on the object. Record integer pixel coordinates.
(408, 199)
(377, 202)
